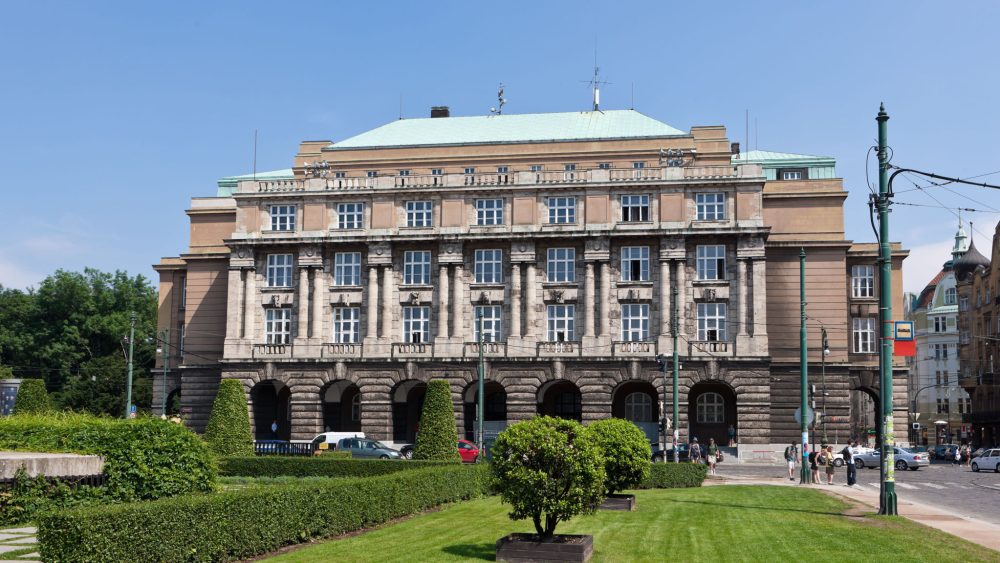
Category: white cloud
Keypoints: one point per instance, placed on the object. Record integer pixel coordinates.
(14, 275)
(926, 260)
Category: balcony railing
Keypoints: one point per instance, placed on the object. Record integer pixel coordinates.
(633, 349)
(490, 349)
(342, 350)
(559, 349)
(709, 347)
(272, 350)
(412, 350)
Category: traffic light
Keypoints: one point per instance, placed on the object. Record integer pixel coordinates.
(663, 425)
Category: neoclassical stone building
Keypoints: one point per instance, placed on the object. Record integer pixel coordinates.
(336, 289)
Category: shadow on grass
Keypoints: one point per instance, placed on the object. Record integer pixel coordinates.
(482, 551)
(755, 507)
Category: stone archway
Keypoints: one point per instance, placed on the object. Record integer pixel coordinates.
(174, 403)
(711, 410)
(407, 402)
(636, 402)
(271, 404)
(494, 409)
(341, 406)
(561, 399)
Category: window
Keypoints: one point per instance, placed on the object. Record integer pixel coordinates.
(180, 340)
(537, 167)
(404, 172)
(635, 208)
(604, 165)
(569, 171)
(418, 213)
(561, 321)
(712, 322)
(282, 217)
(942, 406)
(489, 266)
(562, 210)
(711, 262)
(416, 324)
(279, 270)
(638, 165)
(864, 335)
(489, 212)
(470, 170)
(492, 316)
(638, 407)
(502, 169)
(937, 378)
(863, 281)
(372, 173)
(417, 267)
(964, 406)
(278, 326)
(635, 322)
(347, 268)
(950, 296)
(184, 291)
(350, 215)
(963, 304)
(561, 264)
(346, 325)
(791, 175)
(711, 206)
(635, 263)
(340, 175)
(711, 409)
(940, 324)
(436, 172)
(356, 407)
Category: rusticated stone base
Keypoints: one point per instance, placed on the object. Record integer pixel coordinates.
(525, 548)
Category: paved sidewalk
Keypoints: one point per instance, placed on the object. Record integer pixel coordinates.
(976, 531)
(19, 545)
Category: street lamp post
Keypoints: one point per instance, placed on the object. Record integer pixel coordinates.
(479, 402)
(804, 477)
(131, 350)
(165, 346)
(826, 350)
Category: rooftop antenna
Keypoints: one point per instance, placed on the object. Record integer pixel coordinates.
(500, 101)
(401, 105)
(633, 97)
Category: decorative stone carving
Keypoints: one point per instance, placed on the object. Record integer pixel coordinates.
(522, 251)
(597, 249)
(414, 298)
(708, 294)
(241, 257)
(310, 256)
(672, 248)
(450, 253)
(379, 253)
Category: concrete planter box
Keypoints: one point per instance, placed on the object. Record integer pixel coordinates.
(619, 502)
(525, 548)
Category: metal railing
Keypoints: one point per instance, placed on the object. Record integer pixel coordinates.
(282, 447)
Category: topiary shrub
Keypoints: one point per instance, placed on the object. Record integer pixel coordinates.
(437, 438)
(32, 398)
(626, 453)
(549, 470)
(228, 431)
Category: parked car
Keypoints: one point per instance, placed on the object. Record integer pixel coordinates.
(945, 451)
(333, 438)
(668, 454)
(468, 451)
(980, 451)
(364, 448)
(989, 460)
(905, 459)
(406, 450)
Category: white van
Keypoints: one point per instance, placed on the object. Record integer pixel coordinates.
(329, 440)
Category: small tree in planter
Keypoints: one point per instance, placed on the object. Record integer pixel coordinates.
(626, 459)
(438, 436)
(32, 398)
(549, 470)
(228, 431)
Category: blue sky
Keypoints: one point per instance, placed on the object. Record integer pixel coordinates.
(113, 115)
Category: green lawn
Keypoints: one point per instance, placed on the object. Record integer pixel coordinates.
(730, 523)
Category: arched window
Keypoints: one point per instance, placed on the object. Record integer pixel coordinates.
(356, 407)
(711, 409)
(567, 405)
(638, 407)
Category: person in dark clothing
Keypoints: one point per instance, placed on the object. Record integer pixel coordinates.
(852, 471)
(813, 467)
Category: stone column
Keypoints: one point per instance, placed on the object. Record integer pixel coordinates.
(303, 304)
(741, 290)
(320, 303)
(387, 296)
(605, 298)
(372, 300)
(305, 410)
(457, 305)
(587, 314)
(250, 304)
(681, 293)
(664, 298)
(234, 318)
(443, 311)
(529, 300)
(515, 300)
(759, 310)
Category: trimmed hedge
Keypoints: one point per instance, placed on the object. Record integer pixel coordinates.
(144, 458)
(32, 398)
(674, 476)
(437, 438)
(248, 522)
(319, 466)
(228, 430)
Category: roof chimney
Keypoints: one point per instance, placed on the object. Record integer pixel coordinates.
(440, 111)
(734, 148)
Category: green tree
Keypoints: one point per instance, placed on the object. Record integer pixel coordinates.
(438, 437)
(32, 398)
(6, 372)
(228, 430)
(626, 453)
(549, 470)
(101, 387)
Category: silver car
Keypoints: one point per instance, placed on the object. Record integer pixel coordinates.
(989, 460)
(905, 459)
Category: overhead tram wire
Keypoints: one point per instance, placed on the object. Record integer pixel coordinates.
(948, 180)
(963, 209)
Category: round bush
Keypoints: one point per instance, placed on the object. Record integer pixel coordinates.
(228, 431)
(437, 438)
(626, 453)
(549, 470)
(32, 398)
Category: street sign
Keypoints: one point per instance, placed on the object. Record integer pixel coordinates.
(904, 330)
(131, 411)
(810, 415)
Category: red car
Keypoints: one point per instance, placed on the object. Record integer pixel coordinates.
(468, 451)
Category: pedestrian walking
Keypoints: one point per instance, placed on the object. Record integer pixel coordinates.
(966, 454)
(732, 436)
(958, 456)
(694, 451)
(791, 456)
(828, 459)
(712, 455)
(274, 429)
(852, 470)
(814, 468)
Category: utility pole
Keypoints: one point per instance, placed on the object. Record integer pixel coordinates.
(676, 364)
(165, 342)
(826, 350)
(662, 361)
(131, 349)
(887, 491)
(479, 403)
(803, 372)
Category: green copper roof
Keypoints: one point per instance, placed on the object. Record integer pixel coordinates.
(526, 128)
(769, 157)
(228, 183)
